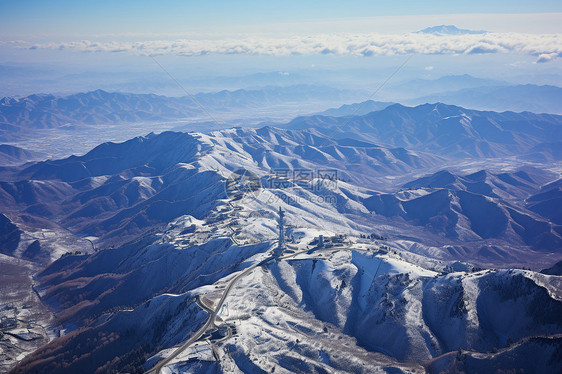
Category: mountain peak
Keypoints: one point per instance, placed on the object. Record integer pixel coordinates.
(448, 30)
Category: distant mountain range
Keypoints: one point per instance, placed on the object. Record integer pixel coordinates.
(446, 130)
(450, 83)
(100, 107)
(478, 93)
(80, 113)
(531, 98)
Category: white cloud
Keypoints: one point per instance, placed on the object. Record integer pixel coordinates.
(546, 57)
(545, 46)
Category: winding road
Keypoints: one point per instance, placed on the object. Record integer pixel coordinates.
(210, 321)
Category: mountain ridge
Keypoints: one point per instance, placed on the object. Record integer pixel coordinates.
(501, 97)
(443, 129)
(102, 107)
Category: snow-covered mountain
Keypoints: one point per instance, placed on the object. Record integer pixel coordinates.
(449, 30)
(118, 191)
(351, 310)
(162, 250)
(121, 190)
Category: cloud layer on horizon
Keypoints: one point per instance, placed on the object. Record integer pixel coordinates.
(545, 47)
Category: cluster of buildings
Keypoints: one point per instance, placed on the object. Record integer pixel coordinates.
(330, 241)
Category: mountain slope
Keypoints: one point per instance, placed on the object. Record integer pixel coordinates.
(358, 109)
(469, 208)
(547, 201)
(12, 155)
(9, 236)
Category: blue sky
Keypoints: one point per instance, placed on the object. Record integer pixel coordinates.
(227, 38)
(31, 17)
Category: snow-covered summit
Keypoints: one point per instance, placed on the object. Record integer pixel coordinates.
(449, 30)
